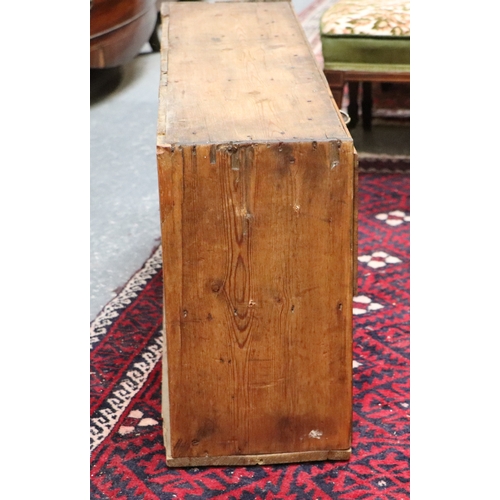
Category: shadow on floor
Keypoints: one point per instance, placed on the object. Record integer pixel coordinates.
(103, 82)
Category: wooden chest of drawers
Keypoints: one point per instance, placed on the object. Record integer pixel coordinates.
(257, 183)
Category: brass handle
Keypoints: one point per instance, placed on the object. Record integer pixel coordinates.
(345, 116)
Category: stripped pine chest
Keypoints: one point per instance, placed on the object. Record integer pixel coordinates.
(257, 182)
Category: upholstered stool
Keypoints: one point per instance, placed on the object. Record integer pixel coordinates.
(365, 41)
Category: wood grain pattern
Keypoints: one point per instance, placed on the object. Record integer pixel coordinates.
(258, 239)
(240, 68)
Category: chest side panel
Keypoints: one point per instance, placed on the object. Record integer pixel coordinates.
(258, 297)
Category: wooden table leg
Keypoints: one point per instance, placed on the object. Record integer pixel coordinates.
(366, 105)
(336, 83)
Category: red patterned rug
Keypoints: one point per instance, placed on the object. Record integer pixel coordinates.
(127, 451)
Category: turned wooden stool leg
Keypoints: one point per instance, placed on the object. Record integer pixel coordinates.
(352, 108)
(366, 105)
(336, 82)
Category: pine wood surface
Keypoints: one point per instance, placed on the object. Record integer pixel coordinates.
(258, 236)
(239, 70)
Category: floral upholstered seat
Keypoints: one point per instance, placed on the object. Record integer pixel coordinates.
(367, 18)
(365, 40)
